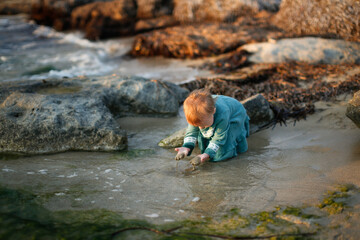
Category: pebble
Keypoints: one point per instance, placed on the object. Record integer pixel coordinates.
(196, 199)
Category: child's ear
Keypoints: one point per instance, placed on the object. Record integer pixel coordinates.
(214, 110)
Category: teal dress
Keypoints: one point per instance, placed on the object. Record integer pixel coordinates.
(227, 136)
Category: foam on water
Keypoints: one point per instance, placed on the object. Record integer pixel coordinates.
(114, 48)
(87, 58)
(27, 50)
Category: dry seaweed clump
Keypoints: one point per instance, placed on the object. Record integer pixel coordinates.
(337, 18)
(292, 88)
(200, 40)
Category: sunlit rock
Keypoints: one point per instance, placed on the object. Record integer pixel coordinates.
(309, 49)
(322, 17)
(353, 109)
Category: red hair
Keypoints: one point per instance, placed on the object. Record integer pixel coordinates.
(198, 105)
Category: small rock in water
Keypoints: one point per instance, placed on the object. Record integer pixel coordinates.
(196, 199)
(169, 220)
(154, 215)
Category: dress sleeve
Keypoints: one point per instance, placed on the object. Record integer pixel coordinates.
(191, 137)
(220, 136)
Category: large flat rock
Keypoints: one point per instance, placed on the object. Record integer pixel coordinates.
(50, 116)
(308, 49)
(35, 123)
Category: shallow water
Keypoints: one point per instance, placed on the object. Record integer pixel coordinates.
(284, 166)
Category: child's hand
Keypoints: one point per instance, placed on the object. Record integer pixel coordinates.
(182, 152)
(195, 161)
(199, 159)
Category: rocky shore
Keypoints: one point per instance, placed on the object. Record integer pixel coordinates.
(257, 53)
(49, 116)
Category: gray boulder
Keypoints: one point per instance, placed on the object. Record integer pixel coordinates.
(126, 96)
(353, 109)
(309, 49)
(35, 123)
(258, 109)
(52, 116)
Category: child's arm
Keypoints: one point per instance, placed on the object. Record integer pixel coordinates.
(191, 136)
(219, 137)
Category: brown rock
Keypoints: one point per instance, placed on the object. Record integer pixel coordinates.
(212, 10)
(55, 13)
(15, 6)
(144, 25)
(105, 19)
(337, 18)
(199, 40)
(153, 8)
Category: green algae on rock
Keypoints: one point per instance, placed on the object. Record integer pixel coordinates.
(22, 210)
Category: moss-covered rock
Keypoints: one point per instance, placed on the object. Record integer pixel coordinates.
(353, 109)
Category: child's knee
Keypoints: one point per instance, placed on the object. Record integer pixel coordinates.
(242, 146)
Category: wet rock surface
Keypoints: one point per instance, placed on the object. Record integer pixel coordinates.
(78, 114)
(259, 111)
(353, 109)
(36, 124)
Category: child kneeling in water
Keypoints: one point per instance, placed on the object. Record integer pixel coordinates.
(218, 123)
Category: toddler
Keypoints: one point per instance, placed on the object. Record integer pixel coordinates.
(218, 123)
